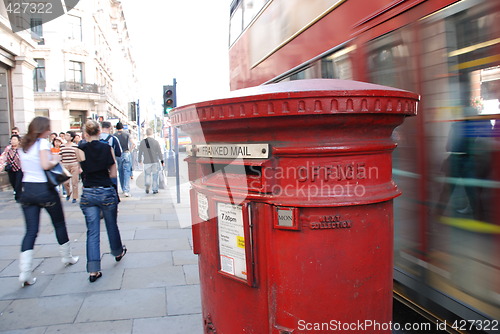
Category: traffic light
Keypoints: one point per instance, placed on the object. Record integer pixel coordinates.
(132, 112)
(169, 100)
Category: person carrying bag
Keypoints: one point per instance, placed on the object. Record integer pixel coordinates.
(150, 154)
(37, 193)
(13, 166)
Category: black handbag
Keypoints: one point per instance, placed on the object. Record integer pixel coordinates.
(57, 175)
(8, 167)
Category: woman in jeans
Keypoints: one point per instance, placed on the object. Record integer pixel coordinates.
(98, 163)
(35, 157)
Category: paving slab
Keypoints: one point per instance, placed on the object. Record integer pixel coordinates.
(70, 283)
(181, 324)
(4, 264)
(105, 327)
(191, 273)
(183, 300)
(155, 233)
(10, 288)
(3, 305)
(156, 245)
(13, 268)
(153, 277)
(37, 330)
(184, 257)
(36, 312)
(123, 305)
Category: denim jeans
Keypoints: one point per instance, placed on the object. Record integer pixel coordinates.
(151, 172)
(92, 202)
(124, 170)
(34, 197)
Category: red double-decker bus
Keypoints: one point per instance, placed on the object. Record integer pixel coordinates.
(447, 164)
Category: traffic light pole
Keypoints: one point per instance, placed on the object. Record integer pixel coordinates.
(176, 140)
(138, 122)
(169, 102)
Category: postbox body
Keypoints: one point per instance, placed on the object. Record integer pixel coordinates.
(292, 206)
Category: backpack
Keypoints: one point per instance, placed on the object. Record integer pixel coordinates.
(115, 145)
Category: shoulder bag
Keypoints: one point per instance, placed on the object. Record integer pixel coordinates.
(57, 175)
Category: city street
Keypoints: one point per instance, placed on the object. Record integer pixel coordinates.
(154, 289)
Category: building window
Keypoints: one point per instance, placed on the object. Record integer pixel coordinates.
(75, 72)
(39, 81)
(42, 112)
(77, 119)
(75, 28)
(37, 30)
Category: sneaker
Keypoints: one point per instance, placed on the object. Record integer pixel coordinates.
(73, 201)
(147, 190)
(155, 191)
(68, 197)
(126, 194)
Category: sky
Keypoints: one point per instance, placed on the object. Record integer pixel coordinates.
(182, 39)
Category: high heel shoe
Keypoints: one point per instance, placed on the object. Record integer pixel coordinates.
(93, 278)
(119, 257)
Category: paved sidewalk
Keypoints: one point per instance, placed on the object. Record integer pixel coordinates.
(154, 289)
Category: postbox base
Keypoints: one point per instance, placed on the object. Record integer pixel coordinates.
(334, 274)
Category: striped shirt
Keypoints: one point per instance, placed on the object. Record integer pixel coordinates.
(68, 153)
(13, 159)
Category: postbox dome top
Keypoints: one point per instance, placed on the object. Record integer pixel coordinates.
(333, 87)
(301, 97)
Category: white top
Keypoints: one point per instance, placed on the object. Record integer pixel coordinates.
(30, 162)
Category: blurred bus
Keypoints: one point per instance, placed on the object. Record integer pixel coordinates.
(447, 164)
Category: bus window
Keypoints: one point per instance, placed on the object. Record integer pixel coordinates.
(337, 65)
(389, 60)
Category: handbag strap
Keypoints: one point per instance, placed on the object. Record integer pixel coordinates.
(149, 150)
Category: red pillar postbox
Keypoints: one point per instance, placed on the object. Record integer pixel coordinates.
(291, 205)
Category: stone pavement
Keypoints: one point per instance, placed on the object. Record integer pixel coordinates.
(154, 289)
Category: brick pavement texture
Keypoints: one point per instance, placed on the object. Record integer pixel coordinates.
(154, 289)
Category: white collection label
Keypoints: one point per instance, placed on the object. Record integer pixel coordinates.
(203, 206)
(232, 151)
(231, 239)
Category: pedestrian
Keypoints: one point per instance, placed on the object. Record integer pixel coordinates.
(99, 195)
(68, 159)
(107, 137)
(62, 136)
(150, 154)
(13, 166)
(3, 156)
(56, 146)
(56, 149)
(15, 131)
(77, 139)
(125, 160)
(35, 157)
(52, 136)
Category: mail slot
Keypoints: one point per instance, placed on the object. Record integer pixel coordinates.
(291, 205)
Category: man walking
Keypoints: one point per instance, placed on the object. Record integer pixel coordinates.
(124, 161)
(150, 154)
(107, 137)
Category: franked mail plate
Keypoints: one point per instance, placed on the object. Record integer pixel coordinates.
(230, 151)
